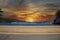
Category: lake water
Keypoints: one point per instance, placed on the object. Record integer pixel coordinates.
(28, 24)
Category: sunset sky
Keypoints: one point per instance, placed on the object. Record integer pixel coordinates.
(30, 10)
(45, 6)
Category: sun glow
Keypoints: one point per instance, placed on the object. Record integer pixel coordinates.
(30, 19)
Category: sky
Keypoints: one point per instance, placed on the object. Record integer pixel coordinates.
(46, 6)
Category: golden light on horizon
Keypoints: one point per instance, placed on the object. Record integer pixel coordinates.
(30, 19)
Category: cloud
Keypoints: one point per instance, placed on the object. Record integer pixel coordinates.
(47, 6)
(50, 8)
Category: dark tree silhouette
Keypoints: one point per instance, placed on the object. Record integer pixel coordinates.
(1, 12)
(57, 20)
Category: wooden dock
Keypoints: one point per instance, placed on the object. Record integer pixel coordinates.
(29, 29)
